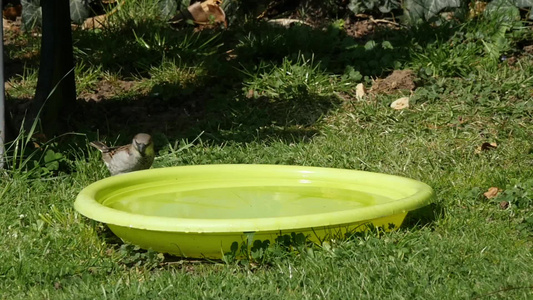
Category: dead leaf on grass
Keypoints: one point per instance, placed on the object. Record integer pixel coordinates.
(208, 12)
(360, 91)
(504, 205)
(96, 22)
(401, 103)
(485, 147)
(492, 192)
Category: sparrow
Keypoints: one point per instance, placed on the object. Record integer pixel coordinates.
(138, 155)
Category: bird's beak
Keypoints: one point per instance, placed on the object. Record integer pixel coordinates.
(141, 148)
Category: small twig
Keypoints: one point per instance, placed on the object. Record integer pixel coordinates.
(378, 21)
(503, 290)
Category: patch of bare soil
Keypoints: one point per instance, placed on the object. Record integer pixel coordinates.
(398, 80)
(13, 42)
(528, 49)
(363, 26)
(107, 89)
(359, 29)
(11, 30)
(102, 112)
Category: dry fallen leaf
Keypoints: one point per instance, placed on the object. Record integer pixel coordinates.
(95, 22)
(360, 91)
(492, 192)
(208, 11)
(486, 146)
(401, 103)
(504, 205)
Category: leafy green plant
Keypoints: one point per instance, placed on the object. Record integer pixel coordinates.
(29, 158)
(417, 10)
(471, 44)
(526, 226)
(80, 10)
(168, 8)
(519, 195)
(384, 6)
(32, 13)
(34, 162)
(50, 163)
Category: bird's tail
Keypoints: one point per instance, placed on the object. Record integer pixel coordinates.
(100, 146)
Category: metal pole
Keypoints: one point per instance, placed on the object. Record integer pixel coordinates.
(2, 96)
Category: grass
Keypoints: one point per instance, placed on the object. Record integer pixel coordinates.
(302, 112)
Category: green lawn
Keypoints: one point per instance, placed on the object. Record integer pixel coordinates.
(302, 111)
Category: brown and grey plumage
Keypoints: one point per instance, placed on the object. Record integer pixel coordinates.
(138, 155)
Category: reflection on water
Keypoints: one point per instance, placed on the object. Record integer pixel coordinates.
(244, 202)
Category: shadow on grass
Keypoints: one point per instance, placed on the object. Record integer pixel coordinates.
(423, 216)
(216, 103)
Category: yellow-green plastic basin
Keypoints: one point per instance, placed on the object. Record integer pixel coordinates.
(200, 211)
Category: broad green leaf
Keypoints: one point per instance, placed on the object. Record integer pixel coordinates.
(426, 9)
(506, 10)
(167, 8)
(384, 6)
(31, 13)
(79, 10)
(523, 3)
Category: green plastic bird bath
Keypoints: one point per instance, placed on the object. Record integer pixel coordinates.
(200, 211)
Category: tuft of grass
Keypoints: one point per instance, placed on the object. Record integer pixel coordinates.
(86, 77)
(299, 80)
(22, 86)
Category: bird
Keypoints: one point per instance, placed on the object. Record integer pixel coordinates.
(139, 155)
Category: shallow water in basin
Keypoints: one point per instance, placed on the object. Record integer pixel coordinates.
(244, 202)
